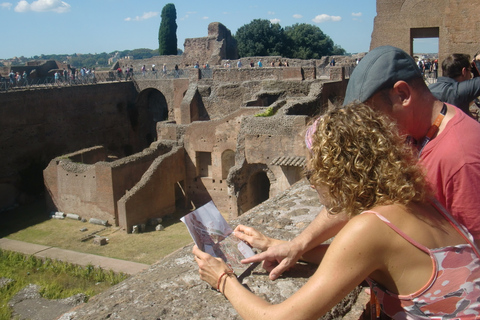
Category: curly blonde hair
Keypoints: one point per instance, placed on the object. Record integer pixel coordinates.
(363, 161)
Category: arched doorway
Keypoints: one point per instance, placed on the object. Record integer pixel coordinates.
(152, 107)
(258, 189)
(228, 161)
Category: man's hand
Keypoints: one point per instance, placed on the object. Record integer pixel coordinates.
(277, 259)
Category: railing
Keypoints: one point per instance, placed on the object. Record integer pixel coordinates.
(159, 74)
(112, 76)
(90, 79)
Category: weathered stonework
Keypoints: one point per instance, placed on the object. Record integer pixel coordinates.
(172, 289)
(454, 22)
(218, 45)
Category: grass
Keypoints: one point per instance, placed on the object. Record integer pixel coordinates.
(58, 280)
(32, 224)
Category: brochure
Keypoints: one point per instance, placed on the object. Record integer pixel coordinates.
(213, 235)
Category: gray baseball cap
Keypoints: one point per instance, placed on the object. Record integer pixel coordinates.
(379, 69)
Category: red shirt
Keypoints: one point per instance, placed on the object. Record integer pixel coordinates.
(452, 161)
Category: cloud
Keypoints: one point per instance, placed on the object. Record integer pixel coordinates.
(274, 21)
(356, 14)
(43, 6)
(145, 16)
(205, 18)
(271, 13)
(325, 18)
(6, 5)
(297, 16)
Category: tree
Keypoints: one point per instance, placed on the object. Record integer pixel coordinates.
(261, 38)
(309, 42)
(302, 41)
(167, 34)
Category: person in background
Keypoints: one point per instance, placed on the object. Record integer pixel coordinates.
(456, 86)
(418, 260)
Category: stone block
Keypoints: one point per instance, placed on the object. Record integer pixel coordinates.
(100, 241)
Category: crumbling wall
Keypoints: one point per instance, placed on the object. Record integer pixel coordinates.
(212, 49)
(251, 74)
(454, 21)
(39, 125)
(208, 141)
(92, 190)
(264, 141)
(154, 196)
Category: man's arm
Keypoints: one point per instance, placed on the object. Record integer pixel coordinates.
(279, 258)
(469, 90)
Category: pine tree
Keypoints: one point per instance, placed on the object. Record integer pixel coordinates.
(167, 34)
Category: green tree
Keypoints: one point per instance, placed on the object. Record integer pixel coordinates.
(167, 34)
(261, 38)
(309, 42)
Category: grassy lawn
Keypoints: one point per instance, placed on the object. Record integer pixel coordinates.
(57, 280)
(31, 223)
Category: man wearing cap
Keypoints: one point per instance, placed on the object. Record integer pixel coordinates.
(389, 81)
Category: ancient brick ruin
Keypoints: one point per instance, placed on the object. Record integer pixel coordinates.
(209, 146)
(454, 23)
(174, 143)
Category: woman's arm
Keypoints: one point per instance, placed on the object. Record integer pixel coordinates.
(352, 256)
(258, 240)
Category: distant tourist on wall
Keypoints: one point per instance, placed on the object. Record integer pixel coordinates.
(25, 78)
(144, 70)
(119, 73)
(259, 63)
(164, 69)
(239, 64)
(252, 64)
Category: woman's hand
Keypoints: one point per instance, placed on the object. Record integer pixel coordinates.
(255, 238)
(210, 268)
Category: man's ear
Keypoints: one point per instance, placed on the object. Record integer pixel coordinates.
(403, 92)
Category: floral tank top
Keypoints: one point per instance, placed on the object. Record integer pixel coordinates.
(453, 291)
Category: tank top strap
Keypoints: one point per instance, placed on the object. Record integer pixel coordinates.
(399, 232)
(460, 228)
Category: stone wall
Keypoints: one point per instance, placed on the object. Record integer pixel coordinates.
(218, 45)
(206, 146)
(453, 22)
(159, 192)
(267, 73)
(39, 125)
(172, 289)
(92, 188)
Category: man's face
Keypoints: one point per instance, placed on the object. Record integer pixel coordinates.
(382, 102)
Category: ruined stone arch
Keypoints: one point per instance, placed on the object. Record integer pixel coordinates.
(228, 161)
(252, 185)
(152, 107)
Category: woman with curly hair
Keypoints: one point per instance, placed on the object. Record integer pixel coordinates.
(419, 261)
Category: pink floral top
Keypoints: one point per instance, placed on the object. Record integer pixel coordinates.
(453, 291)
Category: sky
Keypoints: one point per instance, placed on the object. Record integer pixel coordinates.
(94, 26)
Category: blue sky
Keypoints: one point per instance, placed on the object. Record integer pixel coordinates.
(34, 27)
